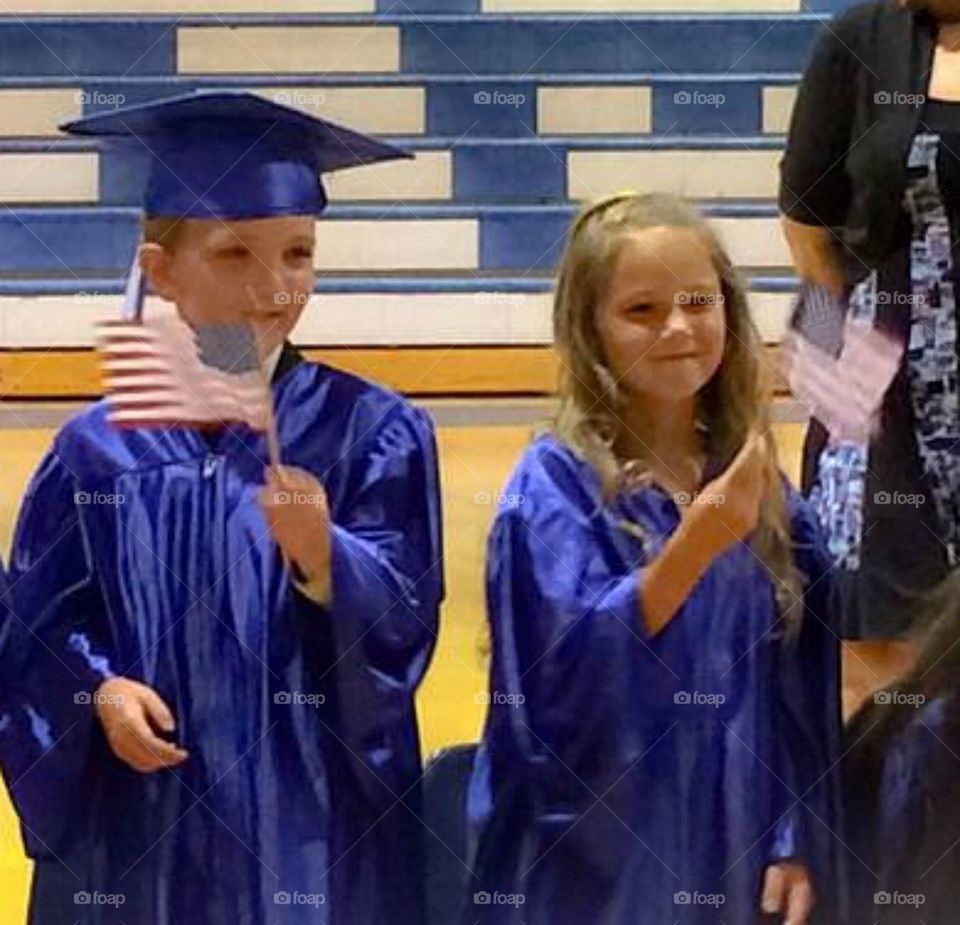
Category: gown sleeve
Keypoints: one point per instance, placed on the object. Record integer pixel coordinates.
(386, 590)
(53, 656)
(810, 827)
(569, 643)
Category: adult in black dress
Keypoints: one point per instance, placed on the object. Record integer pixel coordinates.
(870, 197)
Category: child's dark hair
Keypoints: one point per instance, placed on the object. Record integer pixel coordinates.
(934, 674)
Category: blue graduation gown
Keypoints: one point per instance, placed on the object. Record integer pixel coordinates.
(145, 554)
(628, 779)
(904, 807)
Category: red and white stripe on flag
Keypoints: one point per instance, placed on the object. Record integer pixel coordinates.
(844, 393)
(154, 376)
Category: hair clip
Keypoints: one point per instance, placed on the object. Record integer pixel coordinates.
(601, 205)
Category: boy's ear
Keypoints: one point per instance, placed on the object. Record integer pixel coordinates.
(155, 263)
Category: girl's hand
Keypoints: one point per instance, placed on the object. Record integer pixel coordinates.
(727, 510)
(295, 506)
(130, 713)
(788, 892)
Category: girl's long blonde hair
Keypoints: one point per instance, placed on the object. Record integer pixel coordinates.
(733, 404)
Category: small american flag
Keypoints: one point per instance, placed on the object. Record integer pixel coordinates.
(838, 366)
(159, 371)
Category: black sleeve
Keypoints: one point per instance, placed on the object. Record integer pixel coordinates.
(814, 186)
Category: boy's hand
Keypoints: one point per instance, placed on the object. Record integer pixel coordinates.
(130, 712)
(295, 505)
(788, 892)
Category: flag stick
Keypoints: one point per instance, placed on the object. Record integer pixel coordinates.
(273, 437)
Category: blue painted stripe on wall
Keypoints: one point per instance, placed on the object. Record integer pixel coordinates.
(445, 44)
(76, 48)
(659, 45)
(349, 284)
(183, 83)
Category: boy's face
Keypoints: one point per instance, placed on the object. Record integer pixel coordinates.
(258, 271)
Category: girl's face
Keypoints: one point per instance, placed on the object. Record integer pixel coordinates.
(258, 271)
(662, 323)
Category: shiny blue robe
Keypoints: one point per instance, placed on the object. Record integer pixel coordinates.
(613, 784)
(903, 792)
(145, 554)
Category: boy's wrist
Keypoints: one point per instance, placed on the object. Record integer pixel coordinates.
(314, 585)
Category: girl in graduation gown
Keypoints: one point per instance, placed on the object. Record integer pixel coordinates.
(902, 779)
(221, 660)
(664, 706)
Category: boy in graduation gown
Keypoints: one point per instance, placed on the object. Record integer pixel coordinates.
(224, 655)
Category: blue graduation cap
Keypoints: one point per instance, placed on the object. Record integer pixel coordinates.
(230, 155)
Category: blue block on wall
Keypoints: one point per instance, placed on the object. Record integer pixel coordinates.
(687, 107)
(428, 6)
(509, 173)
(494, 108)
(67, 242)
(527, 242)
(828, 6)
(68, 48)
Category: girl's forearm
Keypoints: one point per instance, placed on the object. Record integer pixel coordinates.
(671, 577)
